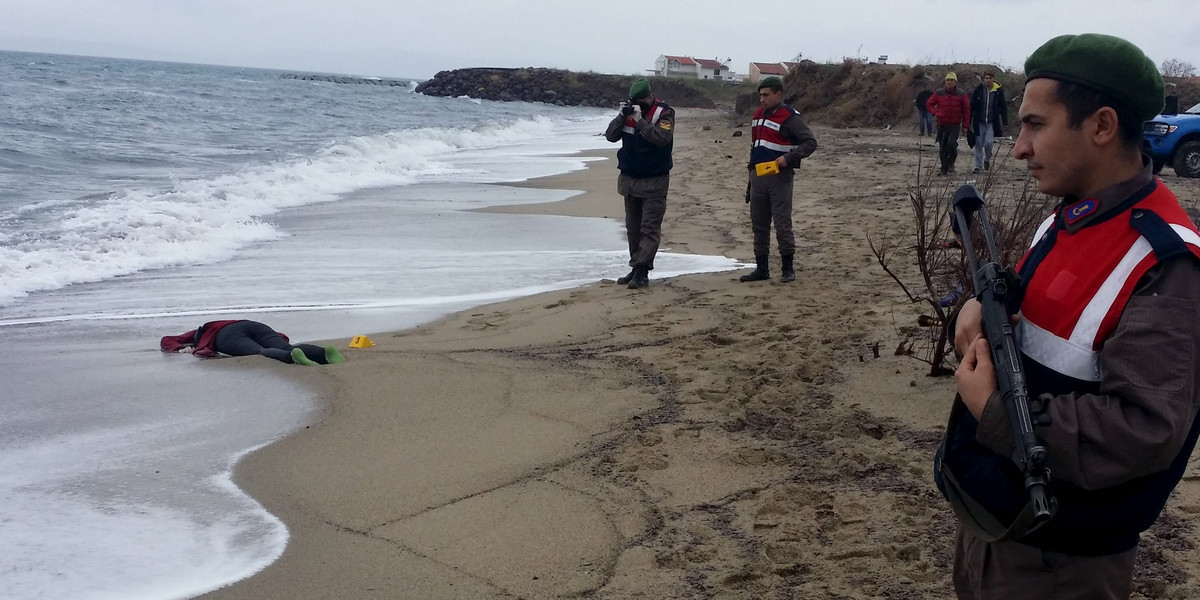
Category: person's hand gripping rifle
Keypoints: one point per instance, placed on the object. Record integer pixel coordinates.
(998, 292)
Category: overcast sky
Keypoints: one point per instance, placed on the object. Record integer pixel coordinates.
(405, 38)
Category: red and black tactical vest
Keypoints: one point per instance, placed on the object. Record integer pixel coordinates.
(769, 143)
(1076, 295)
(1076, 287)
(637, 156)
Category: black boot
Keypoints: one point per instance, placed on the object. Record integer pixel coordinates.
(640, 279)
(627, 278)
(762, 273)
(789, 273)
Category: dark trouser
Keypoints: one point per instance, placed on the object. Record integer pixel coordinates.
(246, 338)
(1013, 571)
(643, 225)
(947, 139)
(925, 121)
(771, 202)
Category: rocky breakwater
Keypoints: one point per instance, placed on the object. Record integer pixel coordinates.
(556, 86)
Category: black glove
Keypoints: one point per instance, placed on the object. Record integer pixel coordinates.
(747, 192)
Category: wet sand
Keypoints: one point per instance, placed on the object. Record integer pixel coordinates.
(702, 438)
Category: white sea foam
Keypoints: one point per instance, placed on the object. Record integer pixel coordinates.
(114, 475)
(209, 220)
(179, 553)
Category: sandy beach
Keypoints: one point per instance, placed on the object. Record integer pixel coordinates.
(702, 438)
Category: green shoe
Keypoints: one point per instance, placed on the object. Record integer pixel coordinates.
(299, 358)
(332, 356)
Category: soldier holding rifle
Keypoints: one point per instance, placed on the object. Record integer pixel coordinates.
(1108, 338)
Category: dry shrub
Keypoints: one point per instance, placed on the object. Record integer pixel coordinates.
(1016, 210)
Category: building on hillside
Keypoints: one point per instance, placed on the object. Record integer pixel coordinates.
(686, 66)
(758, 70)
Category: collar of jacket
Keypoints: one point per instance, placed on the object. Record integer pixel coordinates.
(1107, 200)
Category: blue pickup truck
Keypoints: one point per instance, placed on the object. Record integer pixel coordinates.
(1174, 139)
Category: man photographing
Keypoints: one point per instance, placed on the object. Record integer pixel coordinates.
(645, 128)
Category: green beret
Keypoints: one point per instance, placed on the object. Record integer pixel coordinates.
(1104, 63)
(772, 82)
(640, 89)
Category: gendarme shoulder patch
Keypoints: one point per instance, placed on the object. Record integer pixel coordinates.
(664, 125)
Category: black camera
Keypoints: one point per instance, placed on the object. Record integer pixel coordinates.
(627, 108)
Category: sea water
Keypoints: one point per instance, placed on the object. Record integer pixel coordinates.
(141, 199)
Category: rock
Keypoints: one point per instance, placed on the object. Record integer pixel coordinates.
(556, 86)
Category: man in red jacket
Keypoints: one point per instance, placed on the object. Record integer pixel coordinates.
(952, 110)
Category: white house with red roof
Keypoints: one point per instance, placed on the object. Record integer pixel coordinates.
(686, 66)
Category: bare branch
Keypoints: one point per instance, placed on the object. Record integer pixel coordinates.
(1177, 68)
(1017, 210)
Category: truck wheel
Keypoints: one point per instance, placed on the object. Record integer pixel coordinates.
(1187, 160)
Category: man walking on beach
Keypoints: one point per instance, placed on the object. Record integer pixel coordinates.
(645, 127)
(779, 140)
(953, 114)
(1109, 333)
(989, 113)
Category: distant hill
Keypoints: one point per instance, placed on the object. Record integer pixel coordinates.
(856, 94)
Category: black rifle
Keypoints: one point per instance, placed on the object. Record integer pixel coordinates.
(999, 294)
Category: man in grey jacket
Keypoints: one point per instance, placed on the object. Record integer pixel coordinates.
(989, 114)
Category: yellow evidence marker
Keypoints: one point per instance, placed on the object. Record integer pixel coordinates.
(361, 341)
(766, 168)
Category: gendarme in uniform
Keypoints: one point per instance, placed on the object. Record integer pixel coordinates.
(646, 132)
(1109, 328)
(778, 136)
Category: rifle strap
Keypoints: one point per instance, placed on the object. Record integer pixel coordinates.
(1165, 242)
(973, 515)
(979, 521)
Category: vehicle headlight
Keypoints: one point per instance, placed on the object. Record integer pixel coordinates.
(1159, 128)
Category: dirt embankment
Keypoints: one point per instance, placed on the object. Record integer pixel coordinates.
(856, 94)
